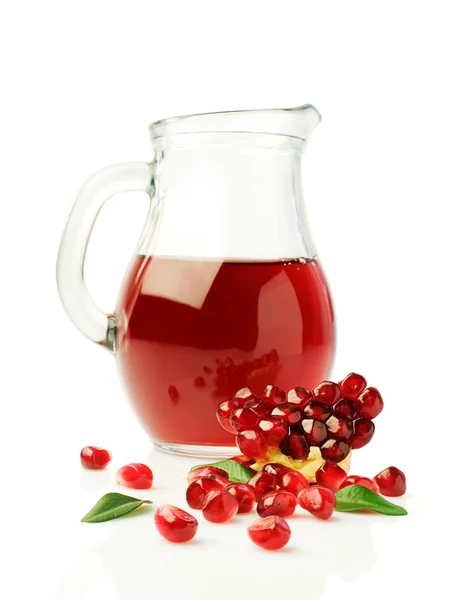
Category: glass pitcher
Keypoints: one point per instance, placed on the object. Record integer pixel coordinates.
(225, 290)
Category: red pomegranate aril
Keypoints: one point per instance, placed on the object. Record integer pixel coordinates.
(276, 469)
(273, 396)
(275, 429)
(295, 445)
(391, 482)
(174, 524)
(314, 431)
(352, 386)
(135, 475)
(219, 506)
(339, 428)
(327, 392)
(260, 409)
(299, 397)
(293, 482)
(198, 489)
(244, 395)
(335, 450)
(270, 533)
(244, 495)
(243, 460)
(369, 404)
(318, 500)
(345, 408)
(290, 414)
(223, 481)
(204, 472)
(252, 443)
(243, 418)
(318, 411)
(364, 481)
(94, 458)
(330, 476)
(279, 502)
(363, 430)
(223, 413)
(262, 483)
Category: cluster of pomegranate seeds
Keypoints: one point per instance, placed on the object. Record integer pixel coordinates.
(135, 475)
(92, 457)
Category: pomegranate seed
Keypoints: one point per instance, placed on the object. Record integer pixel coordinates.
(92, 457)
(335, 450)
(275, 429)
(317, 410)
(223, 481)
(314, 431)
(198, 489)
(243, 460)
(299, 397)
(252, 443)
(391, 481)
(339, 428)
(327, 392)
(364, 481)
(219, 506)
(293, 482)
(363, 430)
(223, 412)
(174, 524)
(260, 409)
(273, 396)
(295, 445)
(330, 476)
(279, 502)
(204, 472)
(352, 386)
(290, 414)
(276, 469)
(243, 418)
(244, 495)
(263, 482)
(369, 404)
(270, 533)
(244, 395)
(135, 475)
(345, 408)
(318, 500)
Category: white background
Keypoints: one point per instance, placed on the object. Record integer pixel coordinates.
(80, 83)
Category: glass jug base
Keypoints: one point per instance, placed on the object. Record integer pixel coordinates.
(197, 451)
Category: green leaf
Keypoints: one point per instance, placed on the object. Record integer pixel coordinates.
(358, 497)
(237, 473)
(111, 506)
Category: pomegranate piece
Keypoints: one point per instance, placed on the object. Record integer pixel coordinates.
(345, 408)
(135, 475)
(198, 489)
(260, 409)
(330, 476)
(262, 483)
(222, 481)
(252, 443)
(243, 395)
(327, 392)
(335, 450)
(369, 404)
(276, 469)
(299, 397)
(273, 396)
(391, 481)
(243, 460)
(204, 472)
(243, 418)
(92, 457)
(174, 524)
(352, 386)
(339, 428)
(363, 430)
(270, 533)
(219, 506)
(244, 494)
(314, 431)
(318, 500)
(364, 481)
(275, 429)
(223, 413)
(290, 414)
(318, 411)
(295, 445)
(292, 482)
(279, 502)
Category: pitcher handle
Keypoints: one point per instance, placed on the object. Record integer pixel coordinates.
(77, 301)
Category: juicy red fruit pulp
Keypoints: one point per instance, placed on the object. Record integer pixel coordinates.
(94, 458)
(135, 475)
(174, 524)
(270, 533)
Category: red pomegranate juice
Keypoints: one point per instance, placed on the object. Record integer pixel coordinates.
(192, 332)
